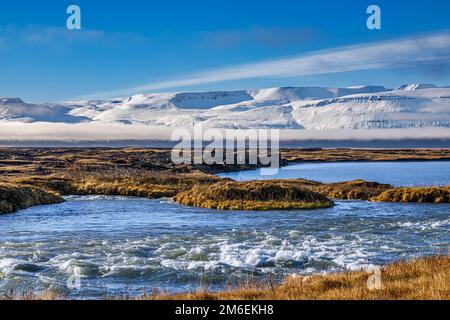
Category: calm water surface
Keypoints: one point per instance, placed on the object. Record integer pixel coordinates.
(396, 173)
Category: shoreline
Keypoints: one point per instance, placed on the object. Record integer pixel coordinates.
(424, 278)
(149, 173)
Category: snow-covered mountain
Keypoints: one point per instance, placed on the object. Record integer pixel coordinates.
(417, 86)
(316, 108)
(14, 109)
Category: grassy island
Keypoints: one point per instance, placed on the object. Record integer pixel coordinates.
(253, 195)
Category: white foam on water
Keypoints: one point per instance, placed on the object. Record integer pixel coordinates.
(423, 225)
(100, 197)
(161, 252)
(7, 265)
(264, 255)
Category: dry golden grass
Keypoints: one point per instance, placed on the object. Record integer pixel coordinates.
(16, 197)
(377, 192)
(207, 191)
(150, 173)
(417, 195)
(422, 279)
(253, 195)
(348, 190)
(28, 296)
(344, 154)
(125, 187)
(124, 183)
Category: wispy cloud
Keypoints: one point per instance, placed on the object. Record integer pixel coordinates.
(60, 37)
(397, 53)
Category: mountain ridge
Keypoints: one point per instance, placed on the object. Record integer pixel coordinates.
(314, 108)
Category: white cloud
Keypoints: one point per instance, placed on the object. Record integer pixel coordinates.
(407, 51)
(59, 37)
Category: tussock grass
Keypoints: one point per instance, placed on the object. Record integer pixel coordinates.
(377, 192)
(348, 190)
(133, 183)
(253, 195)
(346, 154)
(17, 197)
(151, 174)
(63, 186)
(421, 279)
(208, 191)
(417, 195)
(125, 187)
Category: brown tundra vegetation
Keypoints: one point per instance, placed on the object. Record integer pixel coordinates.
(41, 176)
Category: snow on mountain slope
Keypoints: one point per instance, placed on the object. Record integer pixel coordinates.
(416, 86)
(363, 107)
(289, 94)
(208, 100)
(293, 108)
(14, 109)
(272, 116)
(142, 114)
(163, 109)
(224, 109)
(161, 101)
(395, 109)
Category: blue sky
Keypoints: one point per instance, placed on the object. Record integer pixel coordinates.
(130, 46)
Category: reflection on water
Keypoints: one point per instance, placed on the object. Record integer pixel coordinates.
(130, 246)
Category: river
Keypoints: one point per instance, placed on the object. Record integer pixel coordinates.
(128, 246)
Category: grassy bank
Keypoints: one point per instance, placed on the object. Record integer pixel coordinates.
(416, 195)
(150, 173)
(23, 192)
(132, 183)
(346, 154)
(17, 197)
(208, 191)
(347, 190)
(421, 279)
(253, 195)
(301, 194)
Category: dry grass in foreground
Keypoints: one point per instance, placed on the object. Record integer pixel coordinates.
(422, 279)
(29, 296)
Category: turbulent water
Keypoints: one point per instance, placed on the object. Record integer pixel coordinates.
(396, 173)
(128, 246)
(131, 246)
